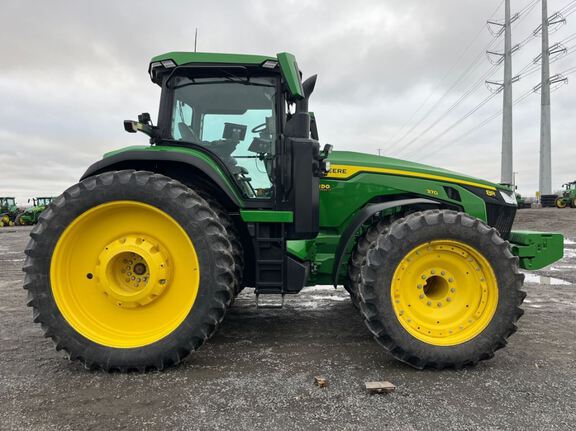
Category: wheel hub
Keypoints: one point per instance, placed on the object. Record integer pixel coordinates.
(444, 292)
(132, 271)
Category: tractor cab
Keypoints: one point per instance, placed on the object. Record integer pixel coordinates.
(8, 211)
(250, 114)
(7, 202)
(42, 201)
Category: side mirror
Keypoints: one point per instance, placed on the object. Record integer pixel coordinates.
(130, 126)
(144, 118)
(144, 127)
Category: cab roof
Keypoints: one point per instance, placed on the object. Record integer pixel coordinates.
(284, 60)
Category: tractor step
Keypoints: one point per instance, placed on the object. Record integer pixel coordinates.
(270, 256)
(270, 304)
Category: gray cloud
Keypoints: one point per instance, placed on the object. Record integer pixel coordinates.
(72, 71)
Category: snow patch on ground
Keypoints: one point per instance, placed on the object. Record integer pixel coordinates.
(540, 279)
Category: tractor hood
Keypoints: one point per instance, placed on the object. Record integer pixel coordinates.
(346, 164)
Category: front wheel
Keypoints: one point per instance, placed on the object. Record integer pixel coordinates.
(129, 270)
(441, 289)
(20, 220)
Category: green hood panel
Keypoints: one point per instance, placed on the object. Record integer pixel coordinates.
(346, 164)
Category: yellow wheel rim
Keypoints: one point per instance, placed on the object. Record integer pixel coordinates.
(560, 203)
(124, 274)
(444, 292)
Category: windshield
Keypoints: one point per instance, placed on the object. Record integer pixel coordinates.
(233, 117)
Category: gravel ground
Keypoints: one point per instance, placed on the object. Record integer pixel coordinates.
(258, 371)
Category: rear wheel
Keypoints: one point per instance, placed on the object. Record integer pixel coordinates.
(573, 203)
(441, 289)
(233, 237)
(560, 203)
(129, 270)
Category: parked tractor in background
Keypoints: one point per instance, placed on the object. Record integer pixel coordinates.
(568, 198)
(31, 214)
(136, 265)
(8, 211)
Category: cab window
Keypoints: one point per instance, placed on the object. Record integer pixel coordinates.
(233, 118)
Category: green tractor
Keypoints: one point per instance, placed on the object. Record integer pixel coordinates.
(31, 215)
(8, 211)
(568, 197)
(136, 265)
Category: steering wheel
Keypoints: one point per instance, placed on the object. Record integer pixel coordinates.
(259, 128)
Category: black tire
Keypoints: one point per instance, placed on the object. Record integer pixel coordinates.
(197, 219)
(358, 256)
(406, 234)
(234, 238)
(573, 203)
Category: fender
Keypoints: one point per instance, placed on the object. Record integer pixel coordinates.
(359, 219)
(167, 156)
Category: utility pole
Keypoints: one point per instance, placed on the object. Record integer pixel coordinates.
(379, 151)
(506, 160)
(506, 164)
(195, 38)
(545, 179)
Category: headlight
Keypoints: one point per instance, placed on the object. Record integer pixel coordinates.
(509, 197)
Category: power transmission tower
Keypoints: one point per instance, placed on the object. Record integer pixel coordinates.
(506, 166)
(545, 178)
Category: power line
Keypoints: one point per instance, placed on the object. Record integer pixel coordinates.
(459, 121)
(432, 91)
(522, 13)
(440, 99)
(463, 97)
(449, 90)
(486, 121)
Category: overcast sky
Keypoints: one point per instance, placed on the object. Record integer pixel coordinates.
(71, 71)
